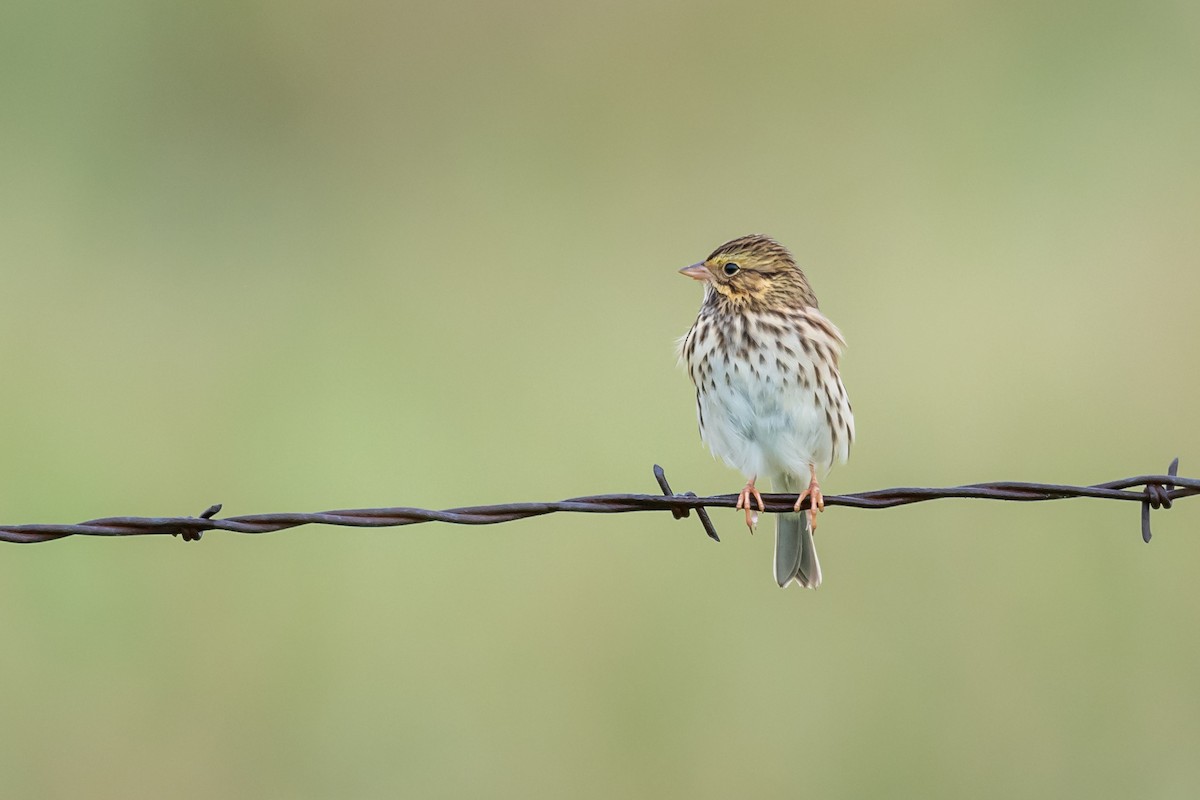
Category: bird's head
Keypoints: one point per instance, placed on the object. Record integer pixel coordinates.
(753, 271)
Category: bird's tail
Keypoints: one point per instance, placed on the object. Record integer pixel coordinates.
(795, 551)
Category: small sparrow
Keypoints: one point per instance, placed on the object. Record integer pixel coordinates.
(768, 394)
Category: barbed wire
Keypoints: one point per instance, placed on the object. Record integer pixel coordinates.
(1157, 491)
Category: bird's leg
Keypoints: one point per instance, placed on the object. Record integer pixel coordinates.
(744, 502)
(817, 501)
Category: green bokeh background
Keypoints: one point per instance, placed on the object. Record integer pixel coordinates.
(292, 256)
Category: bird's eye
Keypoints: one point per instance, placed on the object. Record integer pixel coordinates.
(731, 268)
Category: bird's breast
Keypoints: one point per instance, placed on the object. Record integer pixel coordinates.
(767, 388)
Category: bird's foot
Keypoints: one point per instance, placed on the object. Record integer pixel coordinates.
(744, 502)
(816, 501)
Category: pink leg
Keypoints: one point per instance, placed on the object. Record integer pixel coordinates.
(744, 502)
(816, 500)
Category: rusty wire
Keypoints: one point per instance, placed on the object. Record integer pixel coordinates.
(1157, 491)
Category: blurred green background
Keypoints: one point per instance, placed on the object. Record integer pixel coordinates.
(297, 256)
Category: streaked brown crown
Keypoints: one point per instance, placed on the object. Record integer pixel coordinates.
(766, 275)
(757, 247)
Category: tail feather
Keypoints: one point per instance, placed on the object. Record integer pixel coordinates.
(795, 551)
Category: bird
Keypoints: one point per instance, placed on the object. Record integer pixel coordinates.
(769, 397)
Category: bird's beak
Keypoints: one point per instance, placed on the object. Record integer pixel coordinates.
(697, 272)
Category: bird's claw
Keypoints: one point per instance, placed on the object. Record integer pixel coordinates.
(743, 502)
(817, 502)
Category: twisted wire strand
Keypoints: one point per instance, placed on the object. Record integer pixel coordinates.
(1157, 491)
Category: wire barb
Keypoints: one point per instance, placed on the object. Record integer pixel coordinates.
(1151, 491)
(1158, 495)
(192, 534)
(680, 513)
